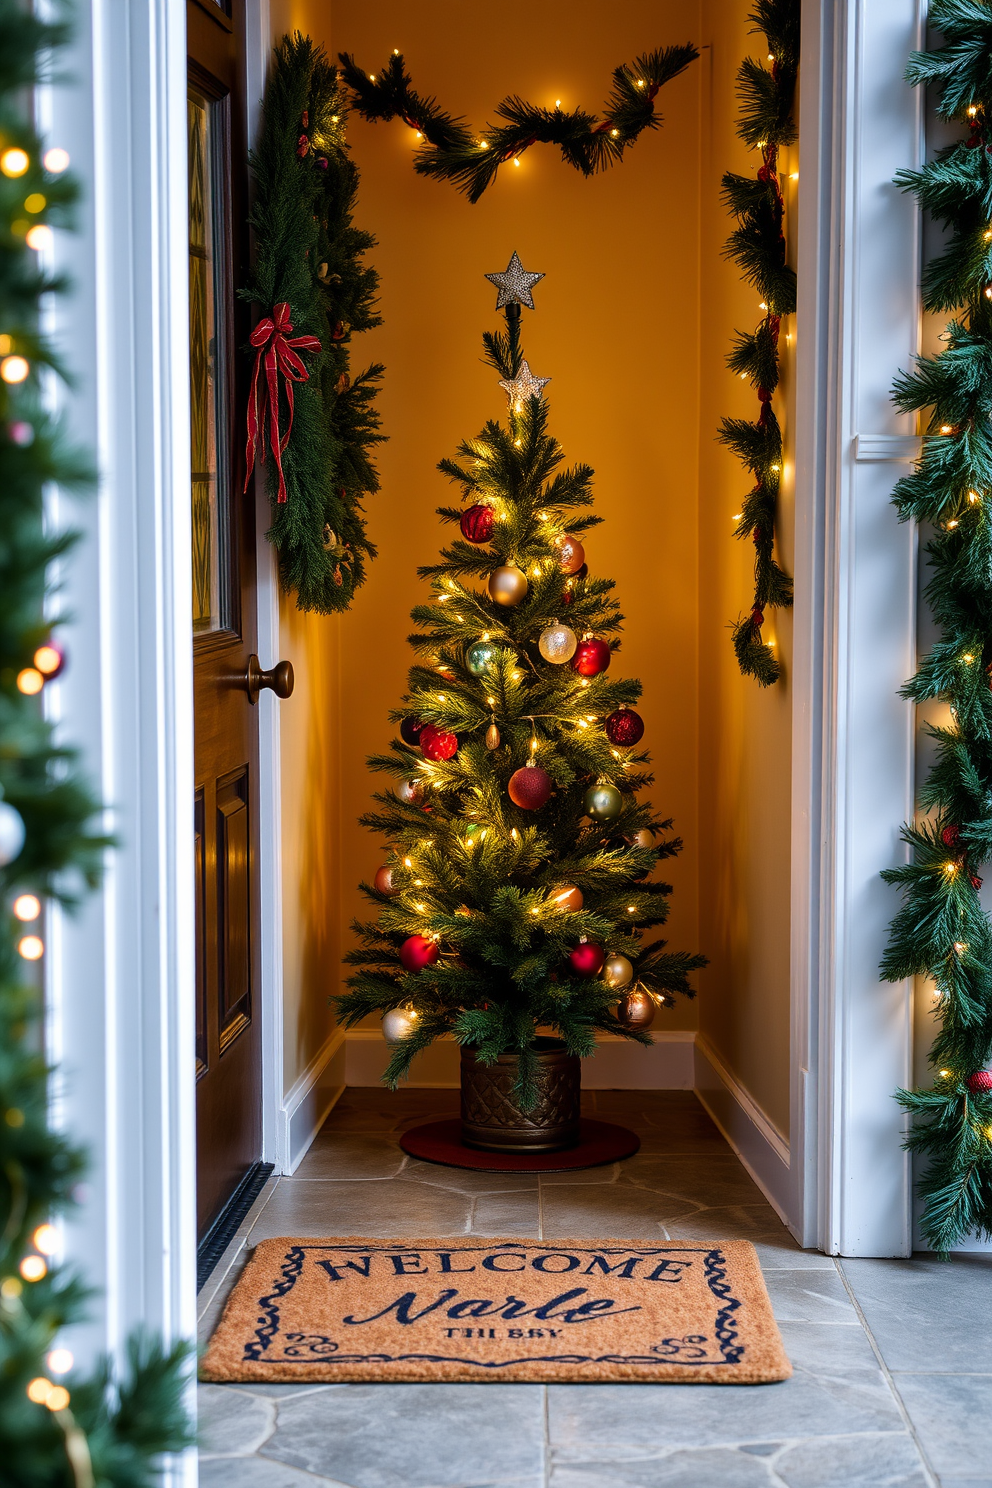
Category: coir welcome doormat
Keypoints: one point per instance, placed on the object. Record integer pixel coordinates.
(474, 1309)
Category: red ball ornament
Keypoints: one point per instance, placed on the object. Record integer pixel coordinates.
(436, 744)
(980, 1082)
(530, 788)
(587, 959)
(384, 881)
(591, 657)
(624, 727)
(418, 952)
(477, 523)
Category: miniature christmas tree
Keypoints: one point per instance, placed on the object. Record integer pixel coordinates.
(516, 894)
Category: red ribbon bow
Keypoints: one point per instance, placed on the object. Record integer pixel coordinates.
(276, 353)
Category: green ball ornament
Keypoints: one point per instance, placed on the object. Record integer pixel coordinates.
(479, 658)
(602, 802)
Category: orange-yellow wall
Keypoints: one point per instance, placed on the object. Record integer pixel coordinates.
(634, 340)
(744, 730)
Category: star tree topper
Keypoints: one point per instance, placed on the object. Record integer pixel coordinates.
(515, 284)
(524, 385)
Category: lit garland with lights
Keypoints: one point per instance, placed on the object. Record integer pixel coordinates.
(517, 890)
(757, 244)
(316, 293)
(471, 159)
(942, 932)
(56, 1428)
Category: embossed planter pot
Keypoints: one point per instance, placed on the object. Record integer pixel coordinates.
(493, 1122)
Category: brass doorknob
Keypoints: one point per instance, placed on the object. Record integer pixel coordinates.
(279, 678)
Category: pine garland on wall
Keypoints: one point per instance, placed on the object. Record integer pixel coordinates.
(311, 423)
(757, 244)
(941, 932)
(57, 1429)
(471, 159)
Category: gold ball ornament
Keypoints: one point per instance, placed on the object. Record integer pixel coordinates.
(571, 553)
(557, 643)
(568, 899)
(636, 1009)
(602, 802)
(508, 585)
(492, 737)
(617, 972)
(399, 1023)
(644, 838)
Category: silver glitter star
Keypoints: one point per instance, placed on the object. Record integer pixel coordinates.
(524, 385)
(515, 285)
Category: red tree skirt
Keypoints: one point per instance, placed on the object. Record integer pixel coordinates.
(599, 1142)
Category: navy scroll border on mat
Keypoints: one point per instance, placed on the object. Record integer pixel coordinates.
(308, 1348)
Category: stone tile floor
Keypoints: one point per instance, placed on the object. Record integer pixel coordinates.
(893, 1359)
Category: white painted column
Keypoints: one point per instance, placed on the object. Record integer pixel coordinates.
(121, 975)
(858, 325)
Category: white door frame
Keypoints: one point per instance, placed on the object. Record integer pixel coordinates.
(121, 975)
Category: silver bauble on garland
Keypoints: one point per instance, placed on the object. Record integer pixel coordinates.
(11, 833)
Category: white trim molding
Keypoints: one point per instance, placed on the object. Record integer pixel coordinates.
(757, 1141)
(309, 1101)
(904, 448)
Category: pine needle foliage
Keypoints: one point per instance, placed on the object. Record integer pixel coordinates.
(941, 932)
(472, 870)
(757, 245)
(471, 160)
(310, 255)
(111, 1431)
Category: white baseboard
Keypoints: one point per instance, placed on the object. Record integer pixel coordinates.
(759, 1144)
(617, 1064)
(306, 1105)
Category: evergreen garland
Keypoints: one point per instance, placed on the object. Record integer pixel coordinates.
(309, 256)
(471, 161)
(55, 1431)
(469, 867)
(757, 245)
(941, 932)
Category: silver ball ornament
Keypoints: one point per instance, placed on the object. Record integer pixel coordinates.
(508, 585)
(557, 643)
(617, 972)
(479, 658)
(398, 1024)
(409, 791)
(602, 802)
(12, 833)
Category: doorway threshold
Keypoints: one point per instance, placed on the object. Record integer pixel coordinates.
(230, 1220)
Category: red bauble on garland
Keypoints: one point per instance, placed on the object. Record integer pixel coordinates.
(477, 523)
(418, 952)
(530, 788)
(624, 727)
(591, 657)
(587, 959)
(980, 1082)
(437, 744)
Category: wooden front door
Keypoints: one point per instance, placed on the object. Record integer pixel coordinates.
(228, 1027)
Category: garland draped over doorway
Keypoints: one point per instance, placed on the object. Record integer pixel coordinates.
(942, 932)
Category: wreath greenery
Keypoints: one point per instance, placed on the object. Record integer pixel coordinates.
(312, 424)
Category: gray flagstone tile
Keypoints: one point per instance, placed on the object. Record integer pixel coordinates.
(415, 1436)
(360, 1156)
(731, 1222)
(888, 1460)
(783, 1252)
(372, 1209)
(709, 1468)
(598, 1210)
(507, 1214)
(811, 1296)
(713, 1182)
(256, 1472)
(464, 1180)
(952, 1415)
(927, 1314)
(230, 1422)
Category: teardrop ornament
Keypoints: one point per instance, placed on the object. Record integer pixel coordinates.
(492, 737)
